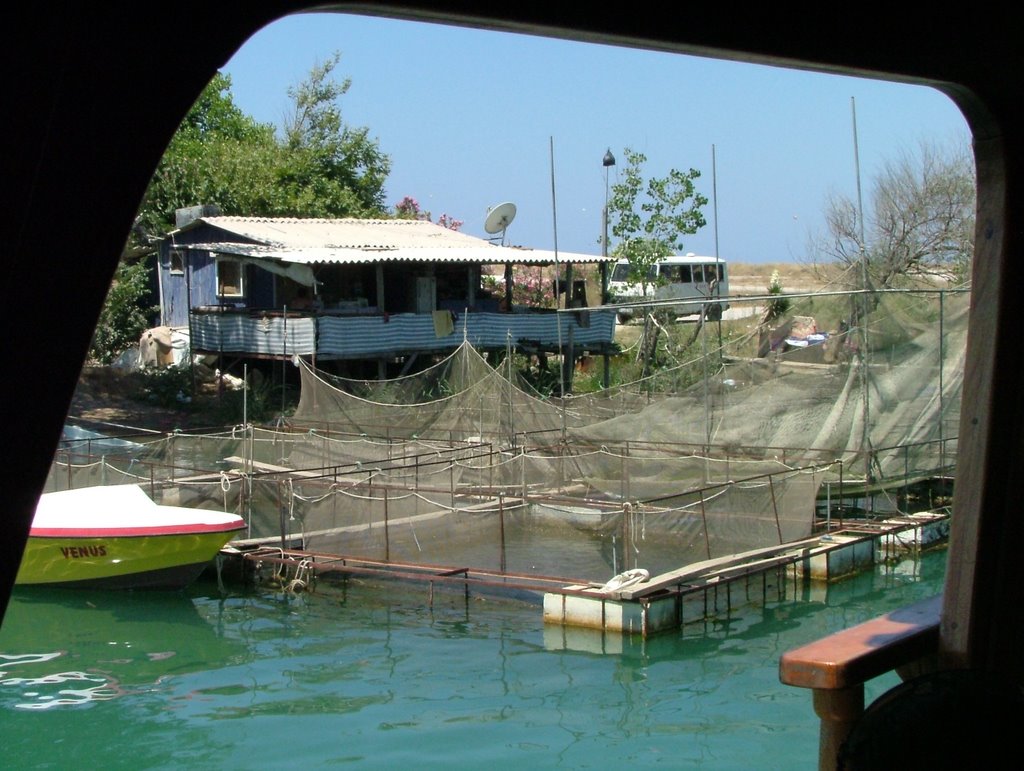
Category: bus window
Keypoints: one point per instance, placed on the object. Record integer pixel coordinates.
(676, 274)
(698, 274)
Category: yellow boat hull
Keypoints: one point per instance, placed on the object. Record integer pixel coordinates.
(117, 537)
(153, 561)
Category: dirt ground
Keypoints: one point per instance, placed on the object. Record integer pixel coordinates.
(112, 396)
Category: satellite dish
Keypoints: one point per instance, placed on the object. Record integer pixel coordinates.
(500, 217)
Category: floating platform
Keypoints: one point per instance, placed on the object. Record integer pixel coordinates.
(703, 589)
(644, 607)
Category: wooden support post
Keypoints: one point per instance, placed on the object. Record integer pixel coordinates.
(501, 525)
(838, 711)
(387, 535)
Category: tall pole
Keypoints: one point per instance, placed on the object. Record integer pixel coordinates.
(856, 163)
(714, 197)
(558, 316)
(865, 444)
(942, 362)
(608, 161)
(604, 217)
(718, 266)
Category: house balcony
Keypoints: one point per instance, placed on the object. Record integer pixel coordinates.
(332, 335)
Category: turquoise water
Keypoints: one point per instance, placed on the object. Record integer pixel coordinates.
(364, 675)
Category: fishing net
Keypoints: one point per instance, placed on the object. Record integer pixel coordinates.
(727, 448)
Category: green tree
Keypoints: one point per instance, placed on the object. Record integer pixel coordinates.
(650, 219)
(219, 155)
(919, 223)
(330, 169)
(317, 167)
(123, 318)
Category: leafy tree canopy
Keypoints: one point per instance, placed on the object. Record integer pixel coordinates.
(650, 219)
(123, 318)
(319, 166)
(332, 169)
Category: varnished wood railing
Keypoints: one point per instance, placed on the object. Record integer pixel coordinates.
(836, 667)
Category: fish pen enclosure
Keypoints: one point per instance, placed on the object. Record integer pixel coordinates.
(750, 432)
(529, 510)
(519, 511)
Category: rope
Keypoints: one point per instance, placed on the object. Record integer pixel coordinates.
(624, 580)
(300, 582)
(225, 486)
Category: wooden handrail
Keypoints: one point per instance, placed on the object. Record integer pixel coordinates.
(836, 667)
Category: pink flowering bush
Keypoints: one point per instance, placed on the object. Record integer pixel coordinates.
(449, 222)
(409, 209)
(529, 287)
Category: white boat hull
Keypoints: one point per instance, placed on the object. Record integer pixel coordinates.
(117, 537)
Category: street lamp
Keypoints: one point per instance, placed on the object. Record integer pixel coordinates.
(608, 161)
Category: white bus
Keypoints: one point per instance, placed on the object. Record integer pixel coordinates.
(689, 277)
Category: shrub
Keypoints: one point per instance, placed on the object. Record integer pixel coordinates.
(529, 288)
(776, 307)
(170, 387)
(124, 317)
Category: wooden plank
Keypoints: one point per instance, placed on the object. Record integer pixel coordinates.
(258, 465)
(698, 570)
(855, 655)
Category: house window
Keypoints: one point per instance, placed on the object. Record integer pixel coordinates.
(230, 276)
(177, 262)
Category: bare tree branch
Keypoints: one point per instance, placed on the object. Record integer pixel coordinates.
(920, 220)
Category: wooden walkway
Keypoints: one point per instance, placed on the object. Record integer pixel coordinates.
(295, 562)
(696, 577)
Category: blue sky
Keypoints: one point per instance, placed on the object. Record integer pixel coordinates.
(470, 117)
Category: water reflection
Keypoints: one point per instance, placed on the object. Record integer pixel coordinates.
(373, 673)
(67, 648)
(39, 691)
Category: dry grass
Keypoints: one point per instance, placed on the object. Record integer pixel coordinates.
(754, 278)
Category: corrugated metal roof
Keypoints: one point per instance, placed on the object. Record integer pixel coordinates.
(296, 233)
(487, 254)
(311, 241)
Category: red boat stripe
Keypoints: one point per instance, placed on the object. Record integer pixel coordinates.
(132, 532)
